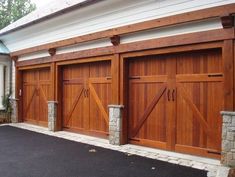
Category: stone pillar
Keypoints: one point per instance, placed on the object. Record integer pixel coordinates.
(228, 139)
(115, 124)
(14, 113)
(52, 115)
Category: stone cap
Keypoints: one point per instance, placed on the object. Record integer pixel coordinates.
(115, 106)
(229, 113)
(56, 102)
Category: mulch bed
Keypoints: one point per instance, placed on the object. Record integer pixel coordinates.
(28, 154)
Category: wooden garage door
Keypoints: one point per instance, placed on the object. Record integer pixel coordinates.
(36, 90)
(175, 102)
(86, 94)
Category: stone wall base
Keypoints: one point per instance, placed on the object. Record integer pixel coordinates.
(228, 139)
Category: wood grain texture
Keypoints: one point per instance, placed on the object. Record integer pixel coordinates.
(36, 92)
(228, 63)
(86, 95)
(165, 42)
(162, 22)
(188, 114)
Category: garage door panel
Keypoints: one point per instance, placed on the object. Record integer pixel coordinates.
(29, 103)
(147, 117)
(90, 111)
(147, 99)
(36, 93)
(100, 97)
(44, 91)
(199, 81)
(187, 117)
(73, 105)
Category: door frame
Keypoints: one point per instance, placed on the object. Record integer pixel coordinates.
(228, 65)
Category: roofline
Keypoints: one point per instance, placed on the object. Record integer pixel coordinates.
(5, 54)
(52, 15)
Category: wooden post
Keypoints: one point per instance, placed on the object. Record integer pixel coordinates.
(228, 64)
(115, 69)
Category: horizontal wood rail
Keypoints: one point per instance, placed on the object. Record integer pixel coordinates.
(162, 22)
(178, 40)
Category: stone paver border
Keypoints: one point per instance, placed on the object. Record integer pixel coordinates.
(213, 166)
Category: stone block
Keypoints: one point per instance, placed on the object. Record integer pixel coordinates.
(226, 145)
(230, 136)
(227, 119)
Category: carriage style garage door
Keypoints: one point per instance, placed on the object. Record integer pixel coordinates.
(36, 90)
(175, 101)
(86, 94)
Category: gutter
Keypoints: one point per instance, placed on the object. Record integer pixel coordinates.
(55, 14)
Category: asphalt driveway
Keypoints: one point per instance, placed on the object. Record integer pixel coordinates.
(28, 154)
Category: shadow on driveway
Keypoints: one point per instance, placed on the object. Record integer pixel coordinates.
(28, 154)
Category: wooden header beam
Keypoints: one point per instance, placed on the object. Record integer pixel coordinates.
(162, 22)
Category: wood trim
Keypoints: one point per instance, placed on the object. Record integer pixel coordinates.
(234, 75)
(18, 83)
(145, 142)
(34, 67)
(42, 60)
(58, 97)
(124, 97)
(115, 69)
(53, 81)
(227, 21)
(185, 39)
(228, 64)
(175, 49)
(193, 151)
(178, 40)
(162, 22)
(84, 60)
(217, 77)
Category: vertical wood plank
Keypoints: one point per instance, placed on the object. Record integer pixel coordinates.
(123, 98)
(228, 64)
(19, 84)
(52, 96)
(233, 75)
(171, 105)
(115, 71)
(59, 95)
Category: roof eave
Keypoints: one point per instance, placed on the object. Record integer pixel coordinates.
(58, 13)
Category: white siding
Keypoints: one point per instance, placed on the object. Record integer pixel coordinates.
(102, 16)
(6, 62)
(174, 30)
(84, 46)
(13, 75)
(35, 55)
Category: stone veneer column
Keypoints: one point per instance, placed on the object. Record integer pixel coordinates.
(228, 139)
(115, 124)
(14, 113)
(52, 115)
